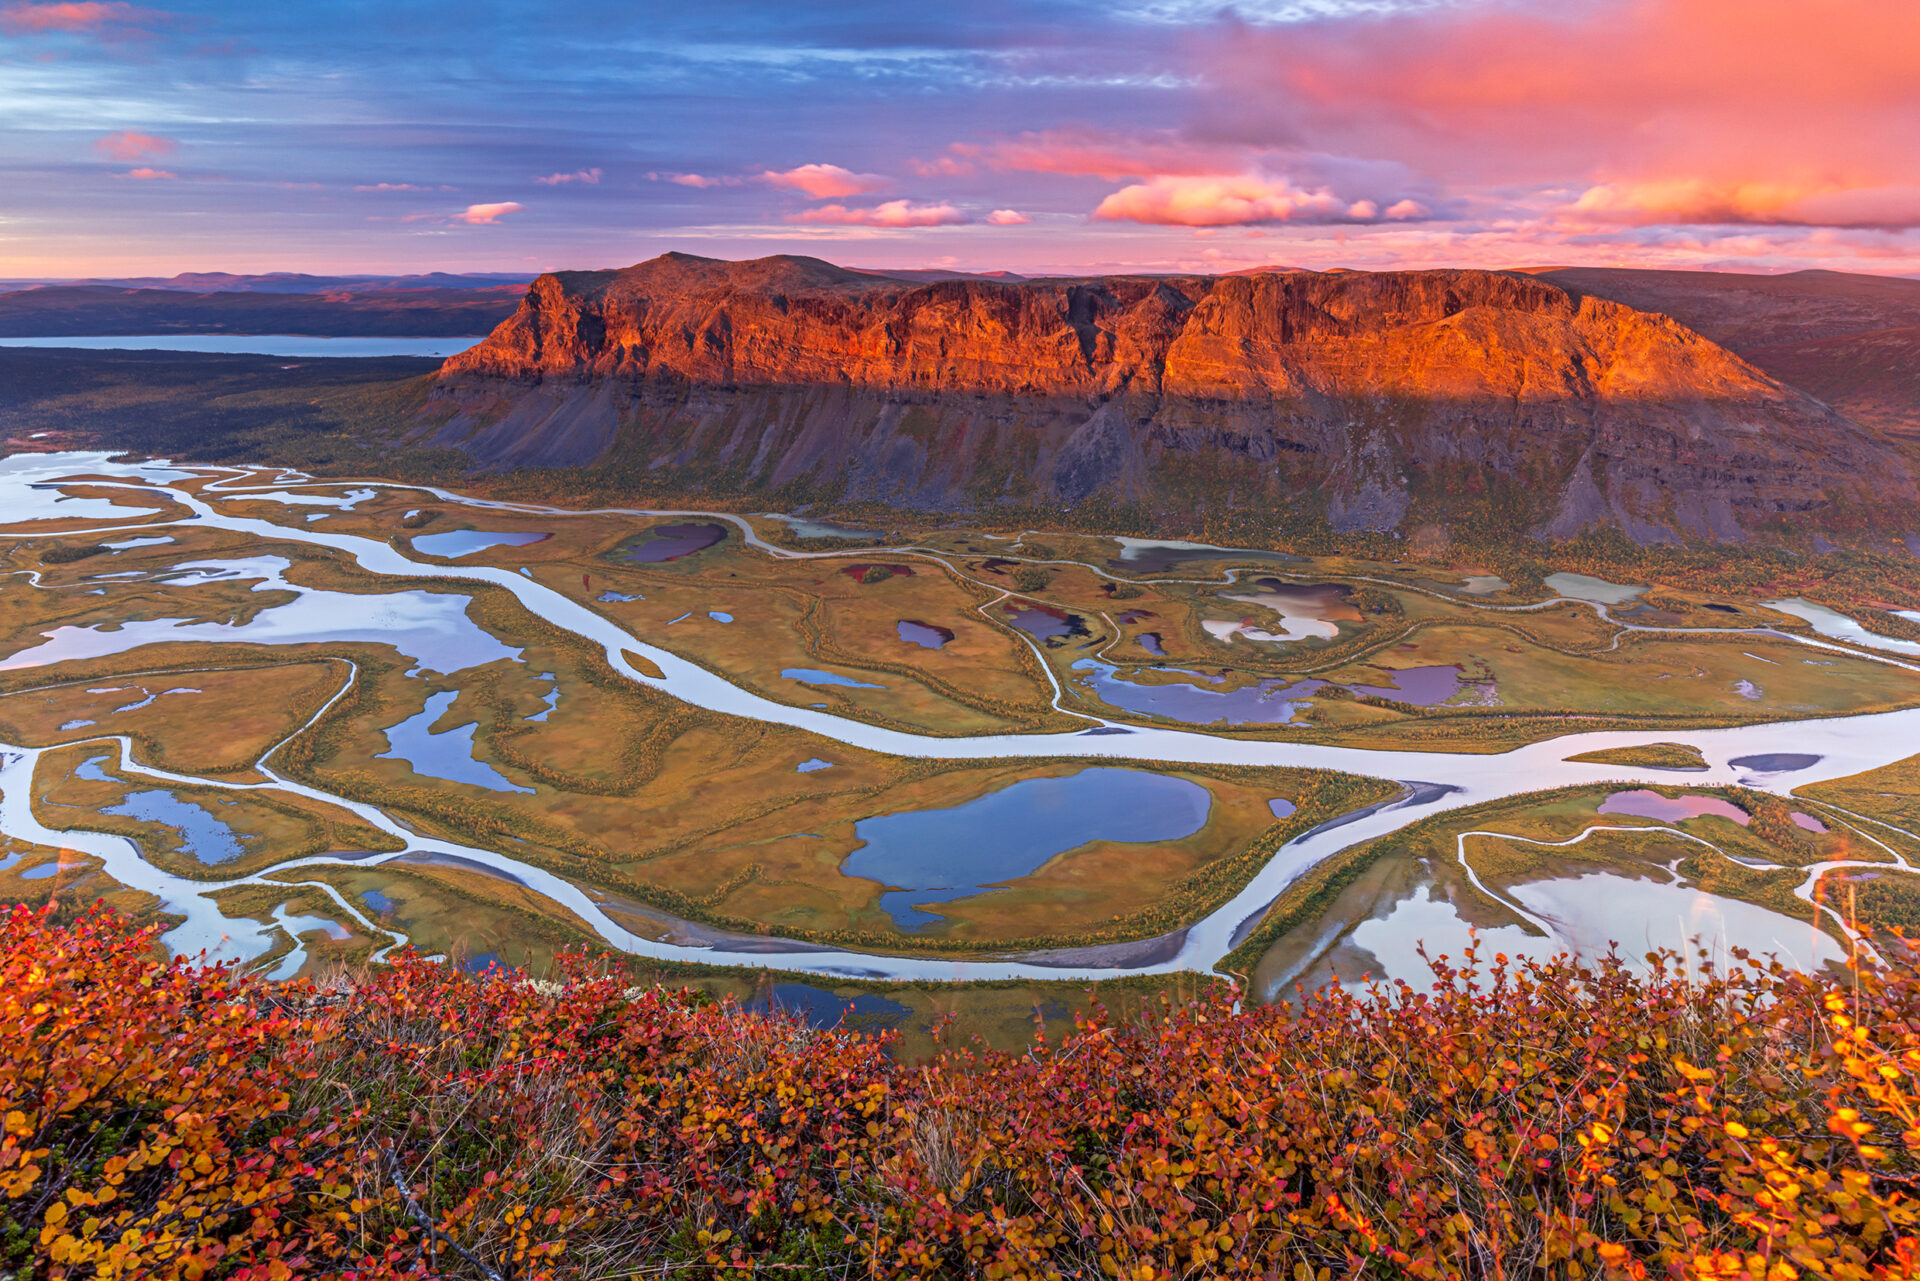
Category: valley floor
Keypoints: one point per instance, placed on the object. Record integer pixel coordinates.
(303, 722)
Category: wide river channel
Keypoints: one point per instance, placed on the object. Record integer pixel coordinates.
(31, 491)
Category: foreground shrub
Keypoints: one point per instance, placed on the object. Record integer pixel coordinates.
(164, 1119)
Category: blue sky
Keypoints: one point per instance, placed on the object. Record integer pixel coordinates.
(1156, 134)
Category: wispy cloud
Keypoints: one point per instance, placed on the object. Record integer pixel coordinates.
(400, 186)
(1100, 153)
(591, 177)
(1007, 218)
(81, 16)
(891, 213)
(698, 180)
(826, 182)
(145, 174)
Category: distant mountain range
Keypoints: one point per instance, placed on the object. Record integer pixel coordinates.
(284, 282)
(430, 306)
(1411, 402)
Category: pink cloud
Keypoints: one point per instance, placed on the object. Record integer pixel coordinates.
(1692, 111)
(1697, 200)
(943, 167)
(1007, 218)
(591, 177)
(145, 174)
(399, 186)
(1096, 153)
(1228, 200)
(489, 214)
(892, 213)
(77, 16)
(128, 146)
(823, 182)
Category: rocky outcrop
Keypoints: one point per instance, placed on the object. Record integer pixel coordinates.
(1374, 401)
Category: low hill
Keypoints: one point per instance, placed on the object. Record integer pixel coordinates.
(1360, 401)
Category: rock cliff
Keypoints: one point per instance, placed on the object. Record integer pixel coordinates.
(1374, 401)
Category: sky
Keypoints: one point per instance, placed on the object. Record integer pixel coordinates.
(1033, 136)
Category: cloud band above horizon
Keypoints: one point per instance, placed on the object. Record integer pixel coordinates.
(1757, 134)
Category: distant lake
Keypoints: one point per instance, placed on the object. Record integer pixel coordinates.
(259, 344)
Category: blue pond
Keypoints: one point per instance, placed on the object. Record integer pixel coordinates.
(380, 903)
(618, 598)
(1269, 702)
(814, 676)
(934, 856)
(822, 1009)
(925, 635)
(1046, 624)
(663, 543)
(448, 754)
(810, 766)
(1282, 807)
(719, 617)
(201, 834)
(465, 542)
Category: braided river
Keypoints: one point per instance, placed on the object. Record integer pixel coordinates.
(32, 490)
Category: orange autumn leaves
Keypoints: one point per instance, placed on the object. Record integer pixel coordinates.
(167, 1120)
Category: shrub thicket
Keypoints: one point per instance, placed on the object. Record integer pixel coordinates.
(167, 1119)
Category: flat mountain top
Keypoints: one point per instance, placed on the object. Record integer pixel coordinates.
(1376, 401)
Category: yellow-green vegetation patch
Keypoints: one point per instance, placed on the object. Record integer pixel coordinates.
(196, 720)
(460, 912)
(783, 872)
(1890, 794)
(1669, 756)
(1877, 899)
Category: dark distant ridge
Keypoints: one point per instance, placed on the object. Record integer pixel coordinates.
(940, 273)
(1405, 402)
(286, 282)
(401, 307)
(1851, 340)
(1740, 310)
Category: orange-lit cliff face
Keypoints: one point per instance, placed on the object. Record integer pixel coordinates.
(1380, 401)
